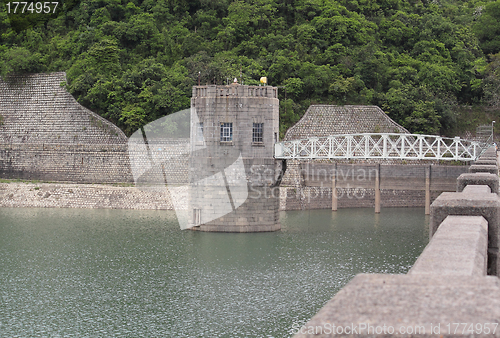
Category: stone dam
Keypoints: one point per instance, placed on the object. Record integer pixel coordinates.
(46, 136)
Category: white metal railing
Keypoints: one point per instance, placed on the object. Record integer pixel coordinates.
(381, 146)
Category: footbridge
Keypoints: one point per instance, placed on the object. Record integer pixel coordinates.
(381, 146)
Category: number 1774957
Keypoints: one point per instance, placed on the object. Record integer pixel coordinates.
(31, 7)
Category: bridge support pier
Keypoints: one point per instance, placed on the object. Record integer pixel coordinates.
(334, 189)
(428, 190)
(377, 190)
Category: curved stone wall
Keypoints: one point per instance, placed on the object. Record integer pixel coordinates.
(46, 135)
(326, 120)
(38, 109)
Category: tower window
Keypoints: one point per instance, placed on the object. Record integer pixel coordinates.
(226, 131)
(258, 132)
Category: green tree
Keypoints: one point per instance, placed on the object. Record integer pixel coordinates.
(487, 27)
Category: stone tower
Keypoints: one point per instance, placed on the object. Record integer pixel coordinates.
(232, 172)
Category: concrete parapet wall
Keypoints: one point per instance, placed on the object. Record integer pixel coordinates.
(486, 162)
(475, 168)
(380, 305)
(488, 179)
(426, 302)
(473, 201)
(459, 247)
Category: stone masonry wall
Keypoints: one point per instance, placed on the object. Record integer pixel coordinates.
(46, 135)
(326, 120)
(219, 203)
(310, 184)
(60, 195)
(321, 198)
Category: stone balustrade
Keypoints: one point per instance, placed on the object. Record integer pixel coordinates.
(453, 288)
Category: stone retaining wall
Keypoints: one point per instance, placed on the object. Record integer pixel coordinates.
(46, 135)
(309, 184)
(59, 195)
(321, 198)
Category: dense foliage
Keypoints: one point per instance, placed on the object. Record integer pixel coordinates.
(133, 61)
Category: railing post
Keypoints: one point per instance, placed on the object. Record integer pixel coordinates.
(439, 148)
(403, 138)
(421, 147)
(384, 150)
(314, 145)
(348, 152)
(367, 144)
(377, 190)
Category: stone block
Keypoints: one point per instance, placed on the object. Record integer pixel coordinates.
(459, 247)
(488, 179)
(488, 155)
(490, 151)
(408, 306)
(477, 189)
(473, 201)
(485, 162)
(492, 169)
(488, 158)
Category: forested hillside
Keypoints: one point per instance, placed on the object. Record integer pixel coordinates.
(134, 61)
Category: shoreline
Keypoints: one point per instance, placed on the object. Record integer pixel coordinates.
(72, 195)
(34, 194)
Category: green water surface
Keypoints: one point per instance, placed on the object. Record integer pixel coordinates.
(125, 273)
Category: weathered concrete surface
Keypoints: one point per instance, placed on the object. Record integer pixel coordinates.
(246, 197)
(475, 200)
(492, 169)
(426, 305)
(487, 158)
(477, 189)
(459, 247)
(488, 179)
(491, 151)
(485, 162)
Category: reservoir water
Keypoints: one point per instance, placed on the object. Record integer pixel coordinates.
(125, 273)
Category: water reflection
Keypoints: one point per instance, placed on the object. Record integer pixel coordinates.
(83, 272)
